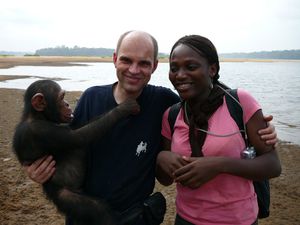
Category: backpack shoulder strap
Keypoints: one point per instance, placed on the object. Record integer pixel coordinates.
(235, 110)
(173, 113)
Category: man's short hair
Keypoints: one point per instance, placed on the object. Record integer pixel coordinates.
(154, 42)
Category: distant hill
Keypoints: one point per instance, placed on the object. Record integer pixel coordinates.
(75, 51)
(79, 51)
(14, 53)
(285, 54)
(107, 52)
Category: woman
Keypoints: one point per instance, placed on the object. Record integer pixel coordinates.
(214, 185)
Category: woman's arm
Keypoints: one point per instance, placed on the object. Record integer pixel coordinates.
(167, 162)
(265, 165)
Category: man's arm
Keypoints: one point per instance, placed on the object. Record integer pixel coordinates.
(269, 134)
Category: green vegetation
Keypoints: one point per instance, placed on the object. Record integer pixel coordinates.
(5, 55)
(285, 54)
(31, 55)
(75, 51)
(108, 52)
(81, 51)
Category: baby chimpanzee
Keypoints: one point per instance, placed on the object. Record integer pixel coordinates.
(44, 130)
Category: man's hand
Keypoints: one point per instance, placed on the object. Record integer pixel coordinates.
(269, 134)
(41, 170)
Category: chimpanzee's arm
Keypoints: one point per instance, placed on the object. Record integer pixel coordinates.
(37, 138)
(101, 125)
(55, 138)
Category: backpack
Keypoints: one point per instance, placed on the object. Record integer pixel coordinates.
(262, 188)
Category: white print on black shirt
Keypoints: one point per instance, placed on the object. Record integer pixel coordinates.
(142, 147)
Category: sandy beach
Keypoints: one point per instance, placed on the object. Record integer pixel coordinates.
(23, 203)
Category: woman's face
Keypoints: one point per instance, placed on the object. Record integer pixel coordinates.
(190, 73)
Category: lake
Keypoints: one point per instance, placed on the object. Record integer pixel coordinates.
(276, 85)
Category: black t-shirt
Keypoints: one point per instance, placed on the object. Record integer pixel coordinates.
(121, 165)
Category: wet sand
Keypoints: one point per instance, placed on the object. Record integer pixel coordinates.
(11, 61)
(23, 203)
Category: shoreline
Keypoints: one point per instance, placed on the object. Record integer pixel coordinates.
(12, 61)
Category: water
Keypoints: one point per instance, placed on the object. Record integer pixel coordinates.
(276, 85)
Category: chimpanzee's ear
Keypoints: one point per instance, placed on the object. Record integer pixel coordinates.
(38, 102)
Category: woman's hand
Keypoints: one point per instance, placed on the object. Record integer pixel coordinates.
(41, 170)
(198, 171)
(166, 163)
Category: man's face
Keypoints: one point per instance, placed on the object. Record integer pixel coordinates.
(134, 64)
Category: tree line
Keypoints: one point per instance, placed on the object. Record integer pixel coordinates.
(74, 51)
(107, 52)
(285, 54)
(79, 51)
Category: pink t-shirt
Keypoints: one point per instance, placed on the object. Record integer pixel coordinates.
(226, 199)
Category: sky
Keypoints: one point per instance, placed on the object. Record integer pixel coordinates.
(232, 25)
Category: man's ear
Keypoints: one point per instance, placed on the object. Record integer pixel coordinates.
(115, 58)
(38, 102)
(155, 65)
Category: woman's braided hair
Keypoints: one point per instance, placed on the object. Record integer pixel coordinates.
(201, 111)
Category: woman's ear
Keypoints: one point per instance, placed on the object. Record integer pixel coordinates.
(38, 102)
(212, 70)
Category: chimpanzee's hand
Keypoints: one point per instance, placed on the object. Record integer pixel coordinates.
(129, 106)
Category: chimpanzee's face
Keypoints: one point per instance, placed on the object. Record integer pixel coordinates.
(66, 113)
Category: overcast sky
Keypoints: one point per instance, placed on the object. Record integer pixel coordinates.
(232, 25)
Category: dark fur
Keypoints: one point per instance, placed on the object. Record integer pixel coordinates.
(42, 133)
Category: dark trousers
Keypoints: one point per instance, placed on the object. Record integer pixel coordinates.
(180, 221)
(138, 221)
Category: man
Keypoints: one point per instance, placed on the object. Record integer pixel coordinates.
(121, 167)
